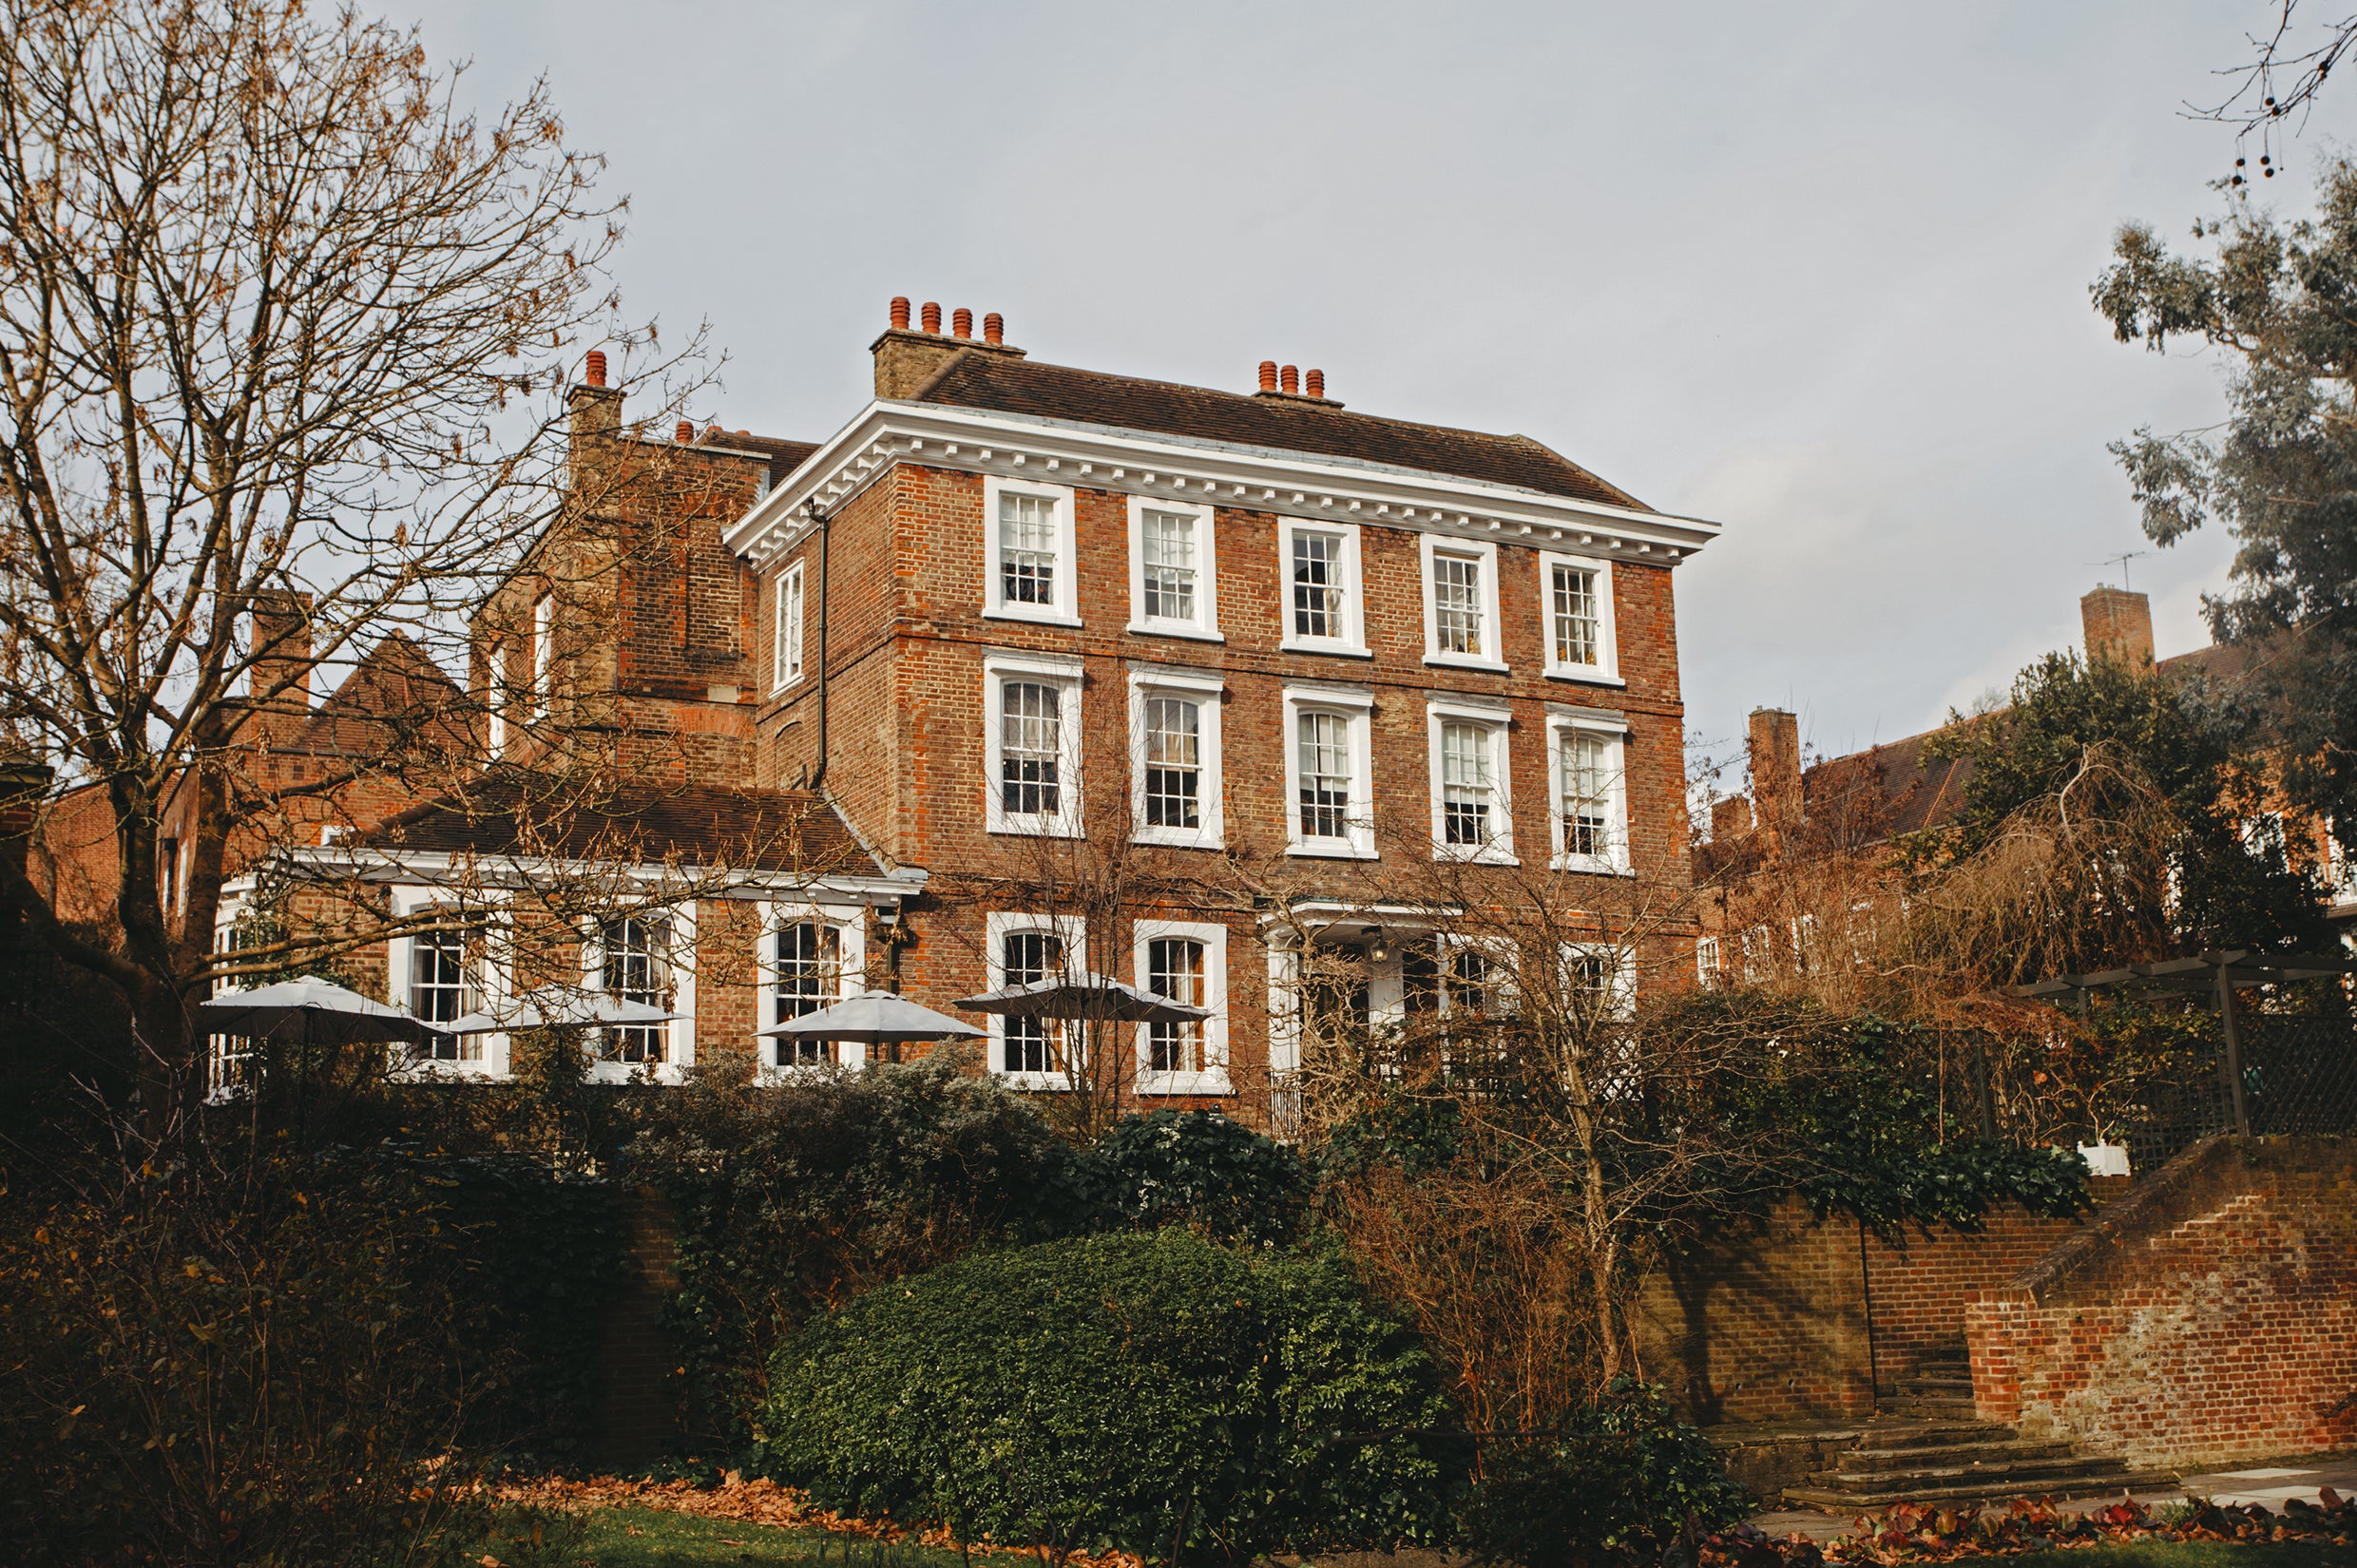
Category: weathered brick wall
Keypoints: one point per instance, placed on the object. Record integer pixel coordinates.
(2212, 1318)
(1771, 1319)
(1924, 1278)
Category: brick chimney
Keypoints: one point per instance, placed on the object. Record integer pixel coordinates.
(906, 358)
(1731, 819)
(1775, 770)
(281, 658)
(2118, 625)
(596, 408)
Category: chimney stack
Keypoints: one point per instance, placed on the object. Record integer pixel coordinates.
(1775, 770)
(279, 680)
(2117, 624)
(1731, 818)
(906, 360)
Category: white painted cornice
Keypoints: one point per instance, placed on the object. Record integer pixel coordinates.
(1223, 473)
(437, 867)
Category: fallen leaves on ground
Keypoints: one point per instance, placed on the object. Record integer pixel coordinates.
(757, 1501)
(1909, 1532)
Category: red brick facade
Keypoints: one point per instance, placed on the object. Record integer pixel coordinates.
(2214, 1318)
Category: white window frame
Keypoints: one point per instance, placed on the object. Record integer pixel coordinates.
(997, 927)
(1205, 625)
(850, 924)
(495, 699)
(1623, 959)
(680, 1034)
(997, 669)
(1353, 644)
(1358, 707)
(1485, 551)
(1615, 732)
(786, 632)
(1706, 961)
(1205, 692)
(1212, 1077)
(543, 653)
(1065, 611)
(491, 1059)
(1499, 848)
(1607, 670)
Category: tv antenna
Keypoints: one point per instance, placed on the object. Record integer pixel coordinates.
(2123, 558)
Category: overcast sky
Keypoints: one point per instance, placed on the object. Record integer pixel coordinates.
(1816, 273)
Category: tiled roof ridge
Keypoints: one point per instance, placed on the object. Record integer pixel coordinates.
(1306, 408)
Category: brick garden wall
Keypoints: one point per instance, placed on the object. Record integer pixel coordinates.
(2212, 1318)
(1770, 1322)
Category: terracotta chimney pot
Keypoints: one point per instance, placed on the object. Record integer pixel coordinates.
(930, 316)
(1317, 383)
(961, 323)
(713, 432)
(595, 374)
(993, 328)
(900, 312)
(1268, 376)
(685, 434)
(1290, 379)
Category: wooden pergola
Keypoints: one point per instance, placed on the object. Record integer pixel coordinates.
(2216, 974)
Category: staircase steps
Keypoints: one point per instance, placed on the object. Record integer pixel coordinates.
(1944, 1455)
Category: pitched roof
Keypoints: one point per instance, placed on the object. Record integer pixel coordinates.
(514, 811)
(1895, 787)
(1005, 384)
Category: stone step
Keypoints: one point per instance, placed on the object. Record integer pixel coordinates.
(1994, 1452)
(1931, 1410)
(2105, 1484)
(1932, 1434)
(2023, 1474)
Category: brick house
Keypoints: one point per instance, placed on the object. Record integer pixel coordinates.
(1824, 828)
(1052, 666)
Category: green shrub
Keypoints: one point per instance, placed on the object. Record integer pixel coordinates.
(1153, 1392)
(792, 1198)
(1193, 1168)
(1619, 1483)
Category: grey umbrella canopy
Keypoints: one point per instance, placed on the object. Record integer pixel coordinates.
(311, 1011)
(1099, 998)
(872, 1017)
(558, 1007)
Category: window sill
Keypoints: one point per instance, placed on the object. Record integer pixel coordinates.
(448, 1072)
(1338, 650)
(1184, 1083)
(1174, 628)
(1325, 850)
(783, 687)
(635, 1072)
(1009, 828)
(1177, 839)
(1466, 662)
(1585, 677)
(1036, 618)
(1487, 854)
(1035, 1082)
(1589, 865)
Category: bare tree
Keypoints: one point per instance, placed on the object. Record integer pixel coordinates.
(2277, 85)
(277, 317)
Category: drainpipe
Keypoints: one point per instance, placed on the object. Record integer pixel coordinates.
(819, 776)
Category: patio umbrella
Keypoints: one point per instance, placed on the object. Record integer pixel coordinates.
(558, 1007)
(311, 1011)
(872, 1017)
(1099, 998)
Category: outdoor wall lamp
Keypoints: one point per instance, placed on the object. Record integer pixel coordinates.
(1377, 950)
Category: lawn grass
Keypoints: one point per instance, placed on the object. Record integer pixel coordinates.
(656, 1538)
(2192, 1554)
